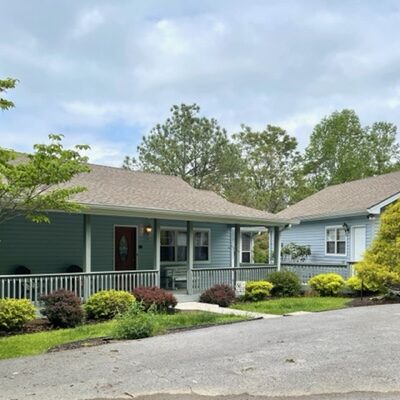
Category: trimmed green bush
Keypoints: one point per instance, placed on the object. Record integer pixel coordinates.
(107, 304)
(354, 284)
(285, 284)
(257, 290)
(222, 295)
(14, 313)
(135, 323)
(62, 308)
(327, 284)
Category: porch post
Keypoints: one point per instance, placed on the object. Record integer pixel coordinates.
(87, 258)
(237, 246)
(190, 255)
(156, 224)
(277, 247)
(87, 248)
(237, 254)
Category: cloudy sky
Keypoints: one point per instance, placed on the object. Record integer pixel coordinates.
(104, 72)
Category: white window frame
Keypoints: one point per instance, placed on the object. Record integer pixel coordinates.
(326, 241)
(182, 229)
(251, 251)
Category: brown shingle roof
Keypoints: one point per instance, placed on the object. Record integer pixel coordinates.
(347, 198)
(117, 188)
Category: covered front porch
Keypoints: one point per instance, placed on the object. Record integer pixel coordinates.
(87, 253)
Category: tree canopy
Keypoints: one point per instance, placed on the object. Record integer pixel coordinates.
(270, 166)
(6, 84)
(32, 184)
(341, 150)
(190, 146)
(265, 169)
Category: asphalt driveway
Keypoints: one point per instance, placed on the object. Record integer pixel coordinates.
(345, 354)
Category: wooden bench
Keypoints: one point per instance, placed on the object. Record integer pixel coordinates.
(175, 275)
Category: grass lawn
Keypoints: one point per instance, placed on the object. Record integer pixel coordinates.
(37, 343)
(293, 304)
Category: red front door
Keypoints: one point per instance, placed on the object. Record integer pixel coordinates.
(125, 248)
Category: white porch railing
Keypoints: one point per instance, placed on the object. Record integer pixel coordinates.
(34, 286)
(305, 271)
(204, 278)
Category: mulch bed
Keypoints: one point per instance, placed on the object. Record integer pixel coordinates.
(81, 344)
(373, 301)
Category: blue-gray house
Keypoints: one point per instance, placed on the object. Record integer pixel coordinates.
(136, 229)
(339, 222)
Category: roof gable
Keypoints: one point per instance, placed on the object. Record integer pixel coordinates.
(355, 197)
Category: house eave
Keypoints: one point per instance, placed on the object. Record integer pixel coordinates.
(318, 217)
(112, 210)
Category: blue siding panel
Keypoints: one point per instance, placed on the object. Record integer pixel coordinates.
(313, 234)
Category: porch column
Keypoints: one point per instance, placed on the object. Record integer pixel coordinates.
(87, 240)
(237, 246)
(190, 255)
(277, 247)
(156, 225)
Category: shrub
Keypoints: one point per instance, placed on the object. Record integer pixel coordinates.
(14, 313)
(285, 284)
(62, 308)
(222, 295)
(257, 290)
(107, 304)
(158, 298)
(135, 323)
(327, 284)
(381, 262)
(354, 284)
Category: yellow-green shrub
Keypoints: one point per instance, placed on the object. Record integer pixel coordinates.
(381, 262)
(108, 303)
(14, 313)
(327, 284)
(257, 290)
(354, 284)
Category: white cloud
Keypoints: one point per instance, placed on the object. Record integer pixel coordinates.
(87, 22)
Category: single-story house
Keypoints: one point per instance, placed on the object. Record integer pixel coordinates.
(135, 229)
(339, 222)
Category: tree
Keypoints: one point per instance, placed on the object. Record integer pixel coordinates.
(32, 184)
(341, 150)
(195, 148)
(271, 164)
(261, 248)
(5, 84)
(381, 261)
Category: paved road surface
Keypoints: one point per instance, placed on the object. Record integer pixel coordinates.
(347, 354)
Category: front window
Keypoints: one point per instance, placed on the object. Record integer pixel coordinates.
(335, 241)
(246, 248)
(201, 246)
(174, 246)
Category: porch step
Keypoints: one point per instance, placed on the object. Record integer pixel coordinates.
(186, 298)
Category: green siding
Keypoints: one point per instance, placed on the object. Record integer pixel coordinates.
(52, 248)
(44, 248)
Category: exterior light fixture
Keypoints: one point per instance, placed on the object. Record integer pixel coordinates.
(346, 227)
(148, 229)
(371, 217)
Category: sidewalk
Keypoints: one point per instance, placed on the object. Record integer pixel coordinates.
(196, 306)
